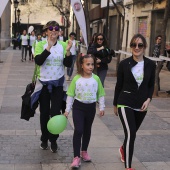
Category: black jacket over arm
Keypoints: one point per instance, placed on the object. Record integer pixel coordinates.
(127, 91)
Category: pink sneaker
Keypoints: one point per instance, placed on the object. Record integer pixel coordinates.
(84, 155)
(122, 156)
(76, 162)
(130, 169)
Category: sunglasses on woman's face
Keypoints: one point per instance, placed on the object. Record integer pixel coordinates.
(99, 39)
(51, 28)
(134, 45)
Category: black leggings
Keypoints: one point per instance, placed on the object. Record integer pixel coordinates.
(131, 121)
(83, 116)
(30, 53)
(50, 105)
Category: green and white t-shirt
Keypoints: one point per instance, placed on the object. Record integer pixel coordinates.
(52, 68)
(86, 90)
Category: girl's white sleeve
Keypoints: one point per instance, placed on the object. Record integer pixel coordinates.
(101, 103)
(69, 103)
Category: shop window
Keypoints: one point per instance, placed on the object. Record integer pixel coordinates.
(142, 26)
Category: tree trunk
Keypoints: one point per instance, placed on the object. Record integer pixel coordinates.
(163, 33)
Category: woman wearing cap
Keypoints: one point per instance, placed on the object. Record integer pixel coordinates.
(51, 56)
(133, 93)
(73, 51)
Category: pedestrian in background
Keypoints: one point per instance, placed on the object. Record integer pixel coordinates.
(61, 36)
(18, 35)
(51, 56)
(85, 89)
(73, 50)
(32, 40)
(24, 44)
(35, 43)
(133, 93)
(44, 36)
(157, 52)
(103, 55)
(157, 46)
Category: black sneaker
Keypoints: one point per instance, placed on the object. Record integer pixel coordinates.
(44, 145)
(53, 147)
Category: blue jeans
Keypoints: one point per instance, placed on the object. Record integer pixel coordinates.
(70, 70)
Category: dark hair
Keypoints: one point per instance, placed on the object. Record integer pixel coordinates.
(158, 36)
(105, 44)
(38, 34)
(50, 23)
(93, 37)
(136, 36)
(79, 62)
(72, 33)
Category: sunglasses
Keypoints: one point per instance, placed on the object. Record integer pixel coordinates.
(134, 45)
(101, 39)
(51, 28)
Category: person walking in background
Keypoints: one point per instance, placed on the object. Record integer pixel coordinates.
(18, 35)
(73, 51)
(35, 43)
(32, 40)
(157, 53)
(24, 44)
(133, 93)
(61, 36)
(85, 89)
(157, 46)
(102, 54)
(51, 56)
(44, 36)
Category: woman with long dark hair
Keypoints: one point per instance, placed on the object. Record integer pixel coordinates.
(103, 55)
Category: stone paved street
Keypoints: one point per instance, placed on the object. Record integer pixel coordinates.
(20, 139)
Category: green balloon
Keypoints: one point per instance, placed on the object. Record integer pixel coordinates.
(57, 124)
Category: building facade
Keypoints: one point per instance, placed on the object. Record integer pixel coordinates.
(143, 17)
(6, 27)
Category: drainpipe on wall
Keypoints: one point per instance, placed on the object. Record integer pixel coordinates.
(107, 20)
(0, 42)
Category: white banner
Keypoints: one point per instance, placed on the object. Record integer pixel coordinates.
(2, 6)
(79, 13)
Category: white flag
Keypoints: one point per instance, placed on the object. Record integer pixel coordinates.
(79, 13)
(2, 6)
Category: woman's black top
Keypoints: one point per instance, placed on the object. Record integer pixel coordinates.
(127, 91)
(104, 55)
